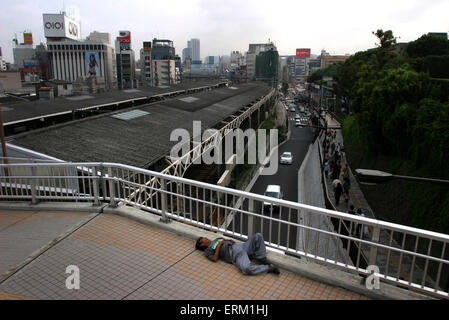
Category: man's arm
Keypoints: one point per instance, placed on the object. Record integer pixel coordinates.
(217, 251)
(212, 254)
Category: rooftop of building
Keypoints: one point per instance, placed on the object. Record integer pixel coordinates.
(37, 108)
(140, 141)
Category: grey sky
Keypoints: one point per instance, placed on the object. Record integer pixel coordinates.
(339, 27)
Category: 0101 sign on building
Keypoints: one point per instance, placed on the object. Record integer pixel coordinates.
(61, 26)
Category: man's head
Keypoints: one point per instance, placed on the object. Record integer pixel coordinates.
(202, 243)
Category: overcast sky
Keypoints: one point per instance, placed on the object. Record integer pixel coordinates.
(339, 27)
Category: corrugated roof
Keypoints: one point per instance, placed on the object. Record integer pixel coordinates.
(140, 141)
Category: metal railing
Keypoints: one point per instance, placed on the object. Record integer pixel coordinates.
(238, 214)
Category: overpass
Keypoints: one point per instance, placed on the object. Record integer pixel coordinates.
(101, 184)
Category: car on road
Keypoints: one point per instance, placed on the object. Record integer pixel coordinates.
(286, 158)
(297, 116)
(297, 122)
(273, 191)
(292, 109)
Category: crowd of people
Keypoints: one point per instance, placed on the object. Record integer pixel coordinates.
(339, 175)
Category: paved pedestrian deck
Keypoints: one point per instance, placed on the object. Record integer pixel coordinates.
(121, 258)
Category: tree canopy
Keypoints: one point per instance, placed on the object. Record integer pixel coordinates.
(400, 105)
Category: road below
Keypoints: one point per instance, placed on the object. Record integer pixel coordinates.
(286, 177)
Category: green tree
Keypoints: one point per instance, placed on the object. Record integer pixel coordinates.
(428, 45)
(386, 39)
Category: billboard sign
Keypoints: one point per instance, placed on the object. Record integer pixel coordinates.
(92, 64)
(30, 63)
(27, 38)
(302, 53)
(124, 39)
(147, 46)
(61, 26)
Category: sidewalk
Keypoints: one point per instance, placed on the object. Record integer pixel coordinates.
(120, 258)
(358, 200)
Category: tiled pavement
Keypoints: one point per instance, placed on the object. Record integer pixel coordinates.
(23, 232)
(119, 258)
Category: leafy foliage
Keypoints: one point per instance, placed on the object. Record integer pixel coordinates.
(401, 111)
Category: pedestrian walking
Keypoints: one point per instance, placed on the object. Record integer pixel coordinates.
(336, 171)
(360, 227)
(338, 147)
(338, 190)
(346, 173)
(346, 188)
(351, 209)
(326, 169)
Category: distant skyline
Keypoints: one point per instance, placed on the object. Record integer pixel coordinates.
(339, 27)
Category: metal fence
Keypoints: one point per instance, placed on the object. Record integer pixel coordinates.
(238, 214)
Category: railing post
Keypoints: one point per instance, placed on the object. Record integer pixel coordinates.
(164, 217)
(373, 250)
(33, 186)
(250, 217)
(96, 186)
(112, 202)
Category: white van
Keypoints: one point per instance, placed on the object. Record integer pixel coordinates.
(273, 191)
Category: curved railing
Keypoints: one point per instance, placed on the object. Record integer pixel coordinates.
(238, 214)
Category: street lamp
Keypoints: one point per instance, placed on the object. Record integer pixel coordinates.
(376, 176)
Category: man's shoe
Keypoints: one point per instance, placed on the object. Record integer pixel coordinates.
(273, 269)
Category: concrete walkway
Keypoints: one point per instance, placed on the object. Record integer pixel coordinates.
(120, 258)
(357, 199)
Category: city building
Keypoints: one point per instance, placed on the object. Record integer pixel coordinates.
(125, 61)
(192, 53)
(2, 62)
(145, 63)
(236, 60)
(195, 49)
(314, 65)
(89, 62)
(254, 50)
(326, 61)
(186, 55)
(21, 53)
(267, 67)
(10, 81)
(163, 68)
(301, 65)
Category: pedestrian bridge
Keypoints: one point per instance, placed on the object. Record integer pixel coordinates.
(195, 208)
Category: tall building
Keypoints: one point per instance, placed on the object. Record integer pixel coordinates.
(145, 63)
(186, 54)
(125, 59)
(163, 68)
(301, 65)
(2, 62)
(195, 47)
(254, 50)
(192, 52)
(91, 62)
(267, 67)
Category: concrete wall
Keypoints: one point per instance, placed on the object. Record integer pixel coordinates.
(310, 187)
(310, 192)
